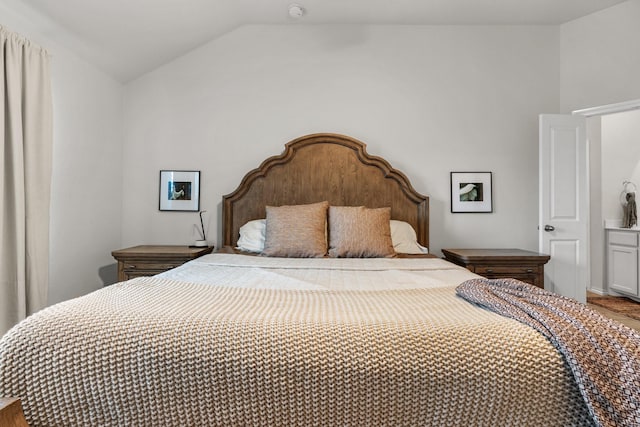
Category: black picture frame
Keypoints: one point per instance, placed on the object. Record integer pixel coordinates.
(471, 192)
(179, 190)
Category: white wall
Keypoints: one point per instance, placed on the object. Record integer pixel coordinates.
(600, 63)
(86, 199)
(430, 99)
(620, 159)
(86, 182)
(596, 221)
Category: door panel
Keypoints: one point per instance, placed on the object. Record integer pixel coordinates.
(564, 269)
(563, 181)
(564, 203)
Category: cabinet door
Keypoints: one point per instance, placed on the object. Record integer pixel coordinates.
(623, 269)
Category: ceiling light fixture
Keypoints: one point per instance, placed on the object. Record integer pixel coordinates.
(296, 11)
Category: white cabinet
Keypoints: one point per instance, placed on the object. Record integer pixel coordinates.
(622, 261)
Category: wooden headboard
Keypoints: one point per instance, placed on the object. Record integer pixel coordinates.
(319, 167)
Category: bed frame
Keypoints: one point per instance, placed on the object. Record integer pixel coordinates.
(324, 166)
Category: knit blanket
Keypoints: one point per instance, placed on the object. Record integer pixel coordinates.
(603, 355)
(158, 352)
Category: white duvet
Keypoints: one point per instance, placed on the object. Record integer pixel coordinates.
(337, 274)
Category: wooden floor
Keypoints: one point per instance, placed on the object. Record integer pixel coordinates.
(11, 413)
(632, 323)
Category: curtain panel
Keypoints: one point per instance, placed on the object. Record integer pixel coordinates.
(25, 177)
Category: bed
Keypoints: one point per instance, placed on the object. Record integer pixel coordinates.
(238, 339)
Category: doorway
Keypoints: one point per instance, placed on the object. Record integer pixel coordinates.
(606, 134)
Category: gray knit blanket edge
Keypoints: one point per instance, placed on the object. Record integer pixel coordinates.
(603, 354)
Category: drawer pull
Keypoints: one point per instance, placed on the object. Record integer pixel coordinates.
(489, 270)
(529, 270)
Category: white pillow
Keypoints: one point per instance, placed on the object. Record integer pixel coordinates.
(252, 236)
(404, 238)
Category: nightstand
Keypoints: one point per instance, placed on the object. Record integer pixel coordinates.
(501, 263)
(148, 260)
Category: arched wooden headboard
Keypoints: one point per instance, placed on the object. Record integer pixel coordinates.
(319, 167)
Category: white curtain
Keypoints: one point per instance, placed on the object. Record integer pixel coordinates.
(25, 177)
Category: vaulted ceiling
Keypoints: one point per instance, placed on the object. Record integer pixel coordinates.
(127, 38)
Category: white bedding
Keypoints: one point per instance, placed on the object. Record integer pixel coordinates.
(336, 274)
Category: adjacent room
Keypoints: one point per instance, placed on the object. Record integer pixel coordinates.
(392, 148)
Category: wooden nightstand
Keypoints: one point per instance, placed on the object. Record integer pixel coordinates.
(501, 263)
(148, 260)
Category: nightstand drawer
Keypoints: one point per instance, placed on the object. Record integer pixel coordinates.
(150, 266)
(149, 260)
(528, 275)
(140, 269)
(504, 270)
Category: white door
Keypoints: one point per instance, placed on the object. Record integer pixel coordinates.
(564, 204)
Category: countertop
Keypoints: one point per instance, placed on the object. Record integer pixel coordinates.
(616, 224)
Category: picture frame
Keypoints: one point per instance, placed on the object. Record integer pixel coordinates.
(471, 192)
(179, 190)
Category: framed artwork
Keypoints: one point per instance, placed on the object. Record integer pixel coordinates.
(471, 192)
(179, 190)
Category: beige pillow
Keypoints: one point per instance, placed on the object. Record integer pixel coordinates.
(298, 231)
(359, 232)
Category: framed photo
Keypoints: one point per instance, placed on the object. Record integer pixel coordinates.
(471, 192)
(180, 190)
